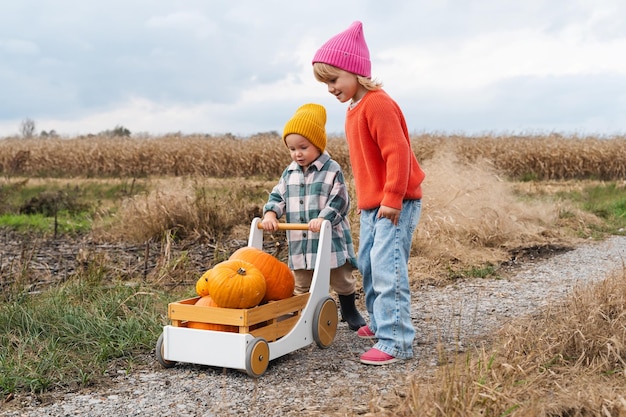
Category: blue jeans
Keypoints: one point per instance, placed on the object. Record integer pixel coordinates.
(383, 262)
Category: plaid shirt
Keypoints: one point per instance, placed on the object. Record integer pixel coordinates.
(302, 196)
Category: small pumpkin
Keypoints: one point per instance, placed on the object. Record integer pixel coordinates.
(279, 279)
(202, 288)
(236, 284)
(207, 301)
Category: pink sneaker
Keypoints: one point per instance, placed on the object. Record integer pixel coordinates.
(365, 333)
(377, 357)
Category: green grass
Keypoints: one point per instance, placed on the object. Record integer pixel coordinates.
(607, 201)
(41, 224)
(485, 271)
(28, 207)
(67, 336)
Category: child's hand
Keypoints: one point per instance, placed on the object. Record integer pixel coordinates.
(315, 225)
(389, 213)
(269, 222)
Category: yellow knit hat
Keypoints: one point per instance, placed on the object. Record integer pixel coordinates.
(310, 122)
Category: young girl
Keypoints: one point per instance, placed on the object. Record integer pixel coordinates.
(312, 189)
(388, 181)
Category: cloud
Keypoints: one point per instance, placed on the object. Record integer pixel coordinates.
(184, 21)
(244, 66)
(583, 104)
(18, 47)
(485, 59)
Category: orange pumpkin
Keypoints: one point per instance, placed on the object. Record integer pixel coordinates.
(207, 301)
(202, 289)
(236, 284)
(278, 277)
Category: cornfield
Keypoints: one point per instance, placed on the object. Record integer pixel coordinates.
(547, 157)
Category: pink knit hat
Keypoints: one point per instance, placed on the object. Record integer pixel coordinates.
(347, 51)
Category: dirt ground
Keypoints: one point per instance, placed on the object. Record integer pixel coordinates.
(39, 261)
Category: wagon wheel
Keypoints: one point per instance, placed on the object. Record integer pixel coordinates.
(159, 354)
(257, 357)
(325, 322)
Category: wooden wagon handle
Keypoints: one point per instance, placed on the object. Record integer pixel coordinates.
(289, 226)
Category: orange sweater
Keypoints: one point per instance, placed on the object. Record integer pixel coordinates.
(385, 169)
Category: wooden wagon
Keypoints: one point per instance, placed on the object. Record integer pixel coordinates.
(266, 332)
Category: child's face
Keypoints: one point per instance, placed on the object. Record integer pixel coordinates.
(345, 86)
(301, 150)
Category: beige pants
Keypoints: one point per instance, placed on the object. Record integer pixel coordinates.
(341, 280)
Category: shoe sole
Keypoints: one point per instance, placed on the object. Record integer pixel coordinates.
(366, 337)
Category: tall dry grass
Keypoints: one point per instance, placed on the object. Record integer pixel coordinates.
(550, 157)
(219, 157)
(472, 214)
(190, 209)
(532, 157)
(471, 217)
(567, 360)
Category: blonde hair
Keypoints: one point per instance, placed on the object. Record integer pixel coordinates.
(325, 72)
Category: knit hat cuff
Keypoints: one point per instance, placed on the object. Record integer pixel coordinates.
(345, 61)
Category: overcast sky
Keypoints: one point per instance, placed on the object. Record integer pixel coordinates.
(209, 66)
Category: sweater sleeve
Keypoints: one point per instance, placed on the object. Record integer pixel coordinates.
(388, 129)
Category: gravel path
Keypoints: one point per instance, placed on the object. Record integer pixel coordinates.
(319, 382)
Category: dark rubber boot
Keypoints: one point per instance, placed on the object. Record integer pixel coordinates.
(349, 312)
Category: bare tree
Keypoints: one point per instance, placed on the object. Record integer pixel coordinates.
(27, 127)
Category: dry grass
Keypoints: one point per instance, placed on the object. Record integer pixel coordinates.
(187, 209)
(211, 187)
(471, 217)
(568, 360)
(219, 157)
(550, 157)
(530, 157)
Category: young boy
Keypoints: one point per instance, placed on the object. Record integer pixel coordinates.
(312, 189)
(388, 182)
